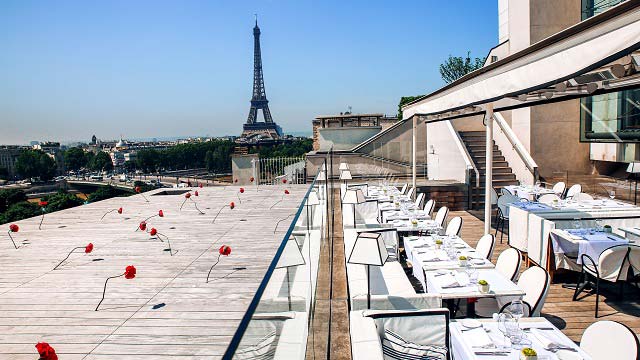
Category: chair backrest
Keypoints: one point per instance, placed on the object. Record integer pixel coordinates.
(494, 197)
(419, 201)
(535, 283)
(612, 261)
(441, 215)
(454, 226)
(606, 339)
(505, 191)
(558, 188)
(424, 333)
(582, 197)
(508, 263)
(485, 246)
(428, 207)
(548, 198)
(410, 192)
(634, 258)
(503, 203)
(404, 189)
(574, 189)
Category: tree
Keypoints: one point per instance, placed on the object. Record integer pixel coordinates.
(36, 163)
(4, 172)
(9, 197)
(456, 67)
(61, 200)
(74, 159)
(405, 100)
(19, 211)
(104, 192)
(101, 162)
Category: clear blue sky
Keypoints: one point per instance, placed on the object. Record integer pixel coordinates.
(155, 68)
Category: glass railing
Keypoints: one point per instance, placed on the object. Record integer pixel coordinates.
(281, 321)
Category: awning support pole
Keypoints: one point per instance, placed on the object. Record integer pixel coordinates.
(413, 155)
(488, 182)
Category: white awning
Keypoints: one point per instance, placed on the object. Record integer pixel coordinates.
(559, 59)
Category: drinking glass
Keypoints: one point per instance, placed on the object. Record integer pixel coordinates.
(514, 333)
(516, 309)
(503, 319)
(576, 224)
(612, 194)
(599, 225)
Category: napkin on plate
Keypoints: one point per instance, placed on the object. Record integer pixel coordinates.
(453, 281)
(477, 337)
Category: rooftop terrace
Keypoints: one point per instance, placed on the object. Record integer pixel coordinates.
(167, 311)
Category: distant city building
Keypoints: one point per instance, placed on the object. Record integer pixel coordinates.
(8, 156)
(94, 140)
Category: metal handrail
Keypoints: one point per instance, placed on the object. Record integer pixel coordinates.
(465, 153)
(517, 145)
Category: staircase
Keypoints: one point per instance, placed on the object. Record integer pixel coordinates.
(474, 141)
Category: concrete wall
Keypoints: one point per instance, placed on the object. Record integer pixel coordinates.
(344, 138)
(242, 168)
(444, 159)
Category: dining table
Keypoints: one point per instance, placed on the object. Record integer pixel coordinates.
(570, 244)
(483, 339)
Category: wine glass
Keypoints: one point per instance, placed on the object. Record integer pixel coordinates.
(599, 225)
(516, 309)
(576, 224)
(612, 194)
(502, 324)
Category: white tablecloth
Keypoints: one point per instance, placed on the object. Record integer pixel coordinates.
(461, 341)
(577, 243)
(529, 192)
(437, 282)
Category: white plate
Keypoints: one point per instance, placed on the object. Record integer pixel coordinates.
(470, 323)
(568, 355)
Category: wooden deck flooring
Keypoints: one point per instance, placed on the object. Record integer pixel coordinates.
(167, 311)
(572, 317)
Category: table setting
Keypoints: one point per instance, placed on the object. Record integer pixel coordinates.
(508, 336)
(530, 192)
(589, 241)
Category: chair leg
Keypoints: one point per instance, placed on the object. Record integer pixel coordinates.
(497, 225)
(579, 285)
(502, 230)
(597, 295)
(621, 290)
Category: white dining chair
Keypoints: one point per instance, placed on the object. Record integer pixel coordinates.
(503, 213)
(428, 207)
(609, 267)
(634, 261)
(548, 198)
(404, 189)
(508, 263)
(485, 245)
(559, 188)
(410, 192)
(419, 203)
(454, 226)
(441, 215)
(582, 197)
(573, 190)
(535, 283)
(607, 340)
(505, 191)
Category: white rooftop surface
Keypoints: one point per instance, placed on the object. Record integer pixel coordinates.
(167, 311)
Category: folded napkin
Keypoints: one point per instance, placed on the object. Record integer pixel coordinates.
(431, 256)
(573, 236)
(453, 281)
(477, 337)
(544, 338)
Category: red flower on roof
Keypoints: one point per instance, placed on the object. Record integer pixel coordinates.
(286, 192)
(235, 181)
(196, 193)
(130, 272)
(224, 250)
(160, 213)
(200, 186)
(119, 210)
(143, 226)
(14, 228)
(43, 203)
(46, 352)
(251, 179)
(241, 190)
(187, 195)
(284, 181)
(232, 205)
(137, 188)
(88, 249)
(153, 232)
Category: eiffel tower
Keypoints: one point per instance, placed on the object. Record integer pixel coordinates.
(259, 101)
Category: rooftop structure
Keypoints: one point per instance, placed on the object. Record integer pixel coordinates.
(168, 310)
